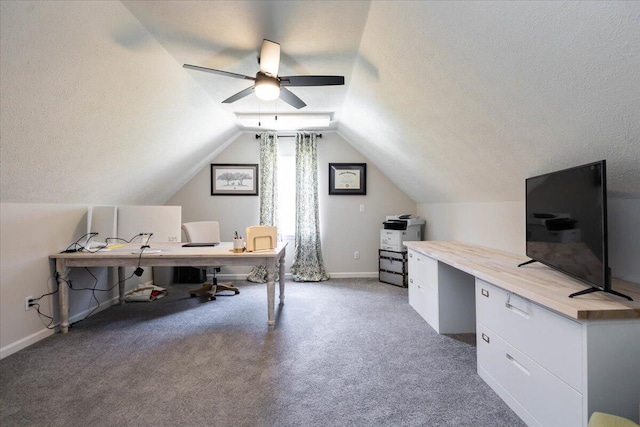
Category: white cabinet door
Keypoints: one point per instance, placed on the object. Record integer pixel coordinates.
(423, 287)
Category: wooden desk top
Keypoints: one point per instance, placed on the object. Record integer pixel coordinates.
(169, 254)
(535, 282)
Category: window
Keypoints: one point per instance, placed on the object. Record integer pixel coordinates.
(287, 195)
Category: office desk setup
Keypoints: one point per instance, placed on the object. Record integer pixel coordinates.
(167, 255)
(553, 359)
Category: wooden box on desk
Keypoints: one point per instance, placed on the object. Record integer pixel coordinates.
(260, 237)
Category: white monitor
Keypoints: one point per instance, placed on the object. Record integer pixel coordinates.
(165, 222)
(104, 221)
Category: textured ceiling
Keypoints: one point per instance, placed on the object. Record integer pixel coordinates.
(319, 38)
(453, 101)
(473, 97)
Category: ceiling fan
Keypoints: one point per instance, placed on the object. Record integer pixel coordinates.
(267, 84)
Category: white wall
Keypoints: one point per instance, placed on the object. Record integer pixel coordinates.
(343, 227)
(86, 119)
(501, 226)
(29, 233)
(624, 238)
(498, 225)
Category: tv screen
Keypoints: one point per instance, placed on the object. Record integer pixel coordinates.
(566, 222)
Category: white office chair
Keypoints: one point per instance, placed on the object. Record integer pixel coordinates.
(207, 232)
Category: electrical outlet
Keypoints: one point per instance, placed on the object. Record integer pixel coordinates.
(356, 254)
(27, 300)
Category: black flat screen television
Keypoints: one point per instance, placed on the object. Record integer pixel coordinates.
(566, 224)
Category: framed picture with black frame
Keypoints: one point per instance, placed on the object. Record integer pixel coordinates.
(348, 179)
(234, 179)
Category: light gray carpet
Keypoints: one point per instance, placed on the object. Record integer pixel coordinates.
(343, 353)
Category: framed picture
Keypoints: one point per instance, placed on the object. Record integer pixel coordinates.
(348, 179)
(229, 179)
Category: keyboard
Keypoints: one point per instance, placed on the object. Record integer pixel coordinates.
(196, 245)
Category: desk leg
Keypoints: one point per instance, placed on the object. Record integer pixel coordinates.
(271, 290)
(121, 280)
(282, 279)
(63, 294)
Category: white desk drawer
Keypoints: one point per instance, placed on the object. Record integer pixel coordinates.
(553, 341)
(423, 268)
(549, 400)
(417, 299)
(424, 300)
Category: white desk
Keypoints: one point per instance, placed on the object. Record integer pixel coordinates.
(553, 359)
(170, 255)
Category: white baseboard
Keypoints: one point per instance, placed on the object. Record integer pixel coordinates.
(25, 342)
(355, 275)
(103, 305)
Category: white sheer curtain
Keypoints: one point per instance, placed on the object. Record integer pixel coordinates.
(268, 194)
(307, 259)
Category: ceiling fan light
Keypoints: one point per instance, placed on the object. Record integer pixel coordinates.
(267, 90)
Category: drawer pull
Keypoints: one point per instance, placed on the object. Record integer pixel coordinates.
(515, 309)
(486, 338)
(517, 364)
(485, 293)
(410, 280)
(410, 255)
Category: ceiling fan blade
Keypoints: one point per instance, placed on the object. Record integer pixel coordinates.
(270, 57)
(239, 95)
(214, 71)
(311, 80)
(287, 96)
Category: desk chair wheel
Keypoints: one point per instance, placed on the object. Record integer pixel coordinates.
(237, 292)
(192, 295)
(212, 298)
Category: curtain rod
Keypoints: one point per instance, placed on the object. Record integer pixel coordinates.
(318, 135)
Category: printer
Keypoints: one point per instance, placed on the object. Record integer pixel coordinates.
(399, 228)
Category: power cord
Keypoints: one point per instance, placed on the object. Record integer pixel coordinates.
(137, 272)
(76, 246)
(108, 239)
(34, 303)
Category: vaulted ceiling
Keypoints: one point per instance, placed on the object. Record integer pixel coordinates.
(453, 101)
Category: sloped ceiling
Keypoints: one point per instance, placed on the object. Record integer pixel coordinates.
(316, 37)
(473, 97)
(86, 120)
(453, 101)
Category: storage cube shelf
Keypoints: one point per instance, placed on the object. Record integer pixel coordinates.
(393, 267)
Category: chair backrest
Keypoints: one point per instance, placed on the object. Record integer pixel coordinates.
(202, 231)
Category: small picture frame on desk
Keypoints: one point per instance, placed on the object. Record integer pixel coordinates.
(234, 179)
(348, 179)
